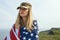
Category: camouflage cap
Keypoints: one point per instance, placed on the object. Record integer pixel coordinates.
(25, 5)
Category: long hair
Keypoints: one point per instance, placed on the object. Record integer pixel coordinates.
(29, 20)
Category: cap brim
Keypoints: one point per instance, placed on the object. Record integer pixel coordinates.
(18, 7)
(22, 7)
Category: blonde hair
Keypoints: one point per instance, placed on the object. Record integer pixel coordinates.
(29, 20)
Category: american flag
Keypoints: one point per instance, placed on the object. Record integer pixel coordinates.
(26, 35)
(23, 33)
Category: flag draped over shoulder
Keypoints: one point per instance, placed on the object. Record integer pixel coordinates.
(23, 33)
(12, 35)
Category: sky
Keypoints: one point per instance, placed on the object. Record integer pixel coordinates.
(46, 12)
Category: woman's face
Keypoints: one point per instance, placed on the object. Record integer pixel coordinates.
(23, 12)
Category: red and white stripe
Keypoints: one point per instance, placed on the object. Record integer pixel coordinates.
(12, 35)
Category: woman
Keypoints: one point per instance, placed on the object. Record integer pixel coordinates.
(25, 28)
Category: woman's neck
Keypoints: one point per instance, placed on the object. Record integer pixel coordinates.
(24, 20)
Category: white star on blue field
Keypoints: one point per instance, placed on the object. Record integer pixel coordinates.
(46, 12)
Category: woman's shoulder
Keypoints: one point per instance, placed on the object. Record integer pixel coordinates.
(35, 26)
(35, 22)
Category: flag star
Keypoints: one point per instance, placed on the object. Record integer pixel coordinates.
(23, 32)
(36, 36)
(29, 39)
(31, 34)
(24, 28)
(24, 38)
(35, 23)
(26, 33)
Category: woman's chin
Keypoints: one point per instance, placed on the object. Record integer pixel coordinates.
(23, 16)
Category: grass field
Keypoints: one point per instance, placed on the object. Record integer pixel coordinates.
(45, 36)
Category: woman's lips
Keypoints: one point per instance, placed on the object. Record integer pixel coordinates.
(22, 13)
